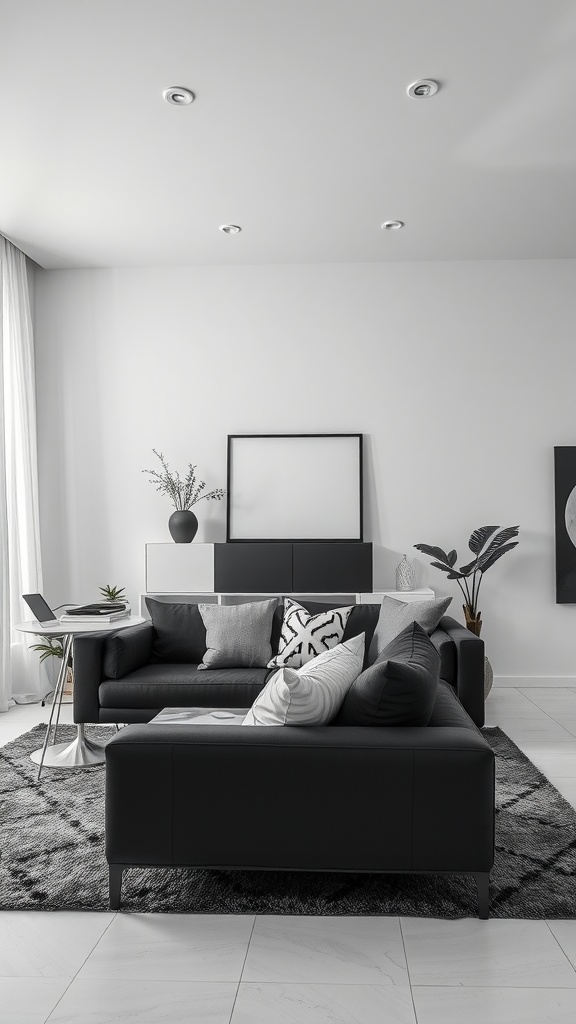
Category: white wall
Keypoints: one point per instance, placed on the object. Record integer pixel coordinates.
(461, 376)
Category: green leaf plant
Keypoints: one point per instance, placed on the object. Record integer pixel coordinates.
(183, 493)
(49, 648)
(469, 577)
(112, 594)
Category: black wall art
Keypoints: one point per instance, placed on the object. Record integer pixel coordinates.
(565, 493)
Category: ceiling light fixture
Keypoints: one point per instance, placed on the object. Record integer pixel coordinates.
(230, 229)
(178, 96)
(422, 88)
(392, 225)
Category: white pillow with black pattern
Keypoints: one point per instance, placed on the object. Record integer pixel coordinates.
(313, 694)
(305, 636)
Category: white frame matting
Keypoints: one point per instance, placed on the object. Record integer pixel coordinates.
(294, 487)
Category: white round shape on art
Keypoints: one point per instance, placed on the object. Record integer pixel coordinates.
(230, 229)
(570, 516)
(392, 225)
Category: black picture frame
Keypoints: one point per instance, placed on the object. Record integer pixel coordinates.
(565, 521)
(347, 491)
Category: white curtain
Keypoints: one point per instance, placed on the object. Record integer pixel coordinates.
(20, 561)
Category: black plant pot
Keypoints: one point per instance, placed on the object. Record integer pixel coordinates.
(183, 526)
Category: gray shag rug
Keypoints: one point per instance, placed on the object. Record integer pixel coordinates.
(52, 855)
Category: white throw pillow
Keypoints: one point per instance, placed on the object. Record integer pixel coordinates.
(304, 636)
(313, 694)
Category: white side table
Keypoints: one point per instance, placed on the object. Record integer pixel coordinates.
(82, 752)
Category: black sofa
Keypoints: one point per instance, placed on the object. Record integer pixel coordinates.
(312, 798)
(316, 798)
(130, 675)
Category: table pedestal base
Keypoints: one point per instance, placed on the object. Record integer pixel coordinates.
(81, 753)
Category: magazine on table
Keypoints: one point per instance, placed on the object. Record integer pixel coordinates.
(102, 611)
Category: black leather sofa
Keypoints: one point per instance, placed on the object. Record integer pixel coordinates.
(318, 798)
(313, 798)
(130, 675)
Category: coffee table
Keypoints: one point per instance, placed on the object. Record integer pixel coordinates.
(82, 752)
(200, 716)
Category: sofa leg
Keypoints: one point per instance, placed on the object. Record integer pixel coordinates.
(115, 885)
(483, 886)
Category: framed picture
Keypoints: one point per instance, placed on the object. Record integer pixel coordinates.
(565, 501)
(294, 487)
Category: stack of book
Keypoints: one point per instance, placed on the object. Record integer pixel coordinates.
(104, 611)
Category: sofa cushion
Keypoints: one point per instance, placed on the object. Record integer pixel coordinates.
(363, 619)
(304, 636)
(396, 615)
(312, 694)
(183, 686)
(400, 688)
(238, 635)
(179, 632)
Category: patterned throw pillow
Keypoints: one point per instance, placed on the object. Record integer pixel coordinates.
(304, 636)
(313, 694)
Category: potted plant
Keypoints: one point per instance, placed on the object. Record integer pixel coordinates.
(184, 493)
(469, 577)
(52, 647)
(113, 594)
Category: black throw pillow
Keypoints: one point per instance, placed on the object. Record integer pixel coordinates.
(399, 688)
(179, 632)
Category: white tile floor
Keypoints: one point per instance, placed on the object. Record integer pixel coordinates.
(76, 968)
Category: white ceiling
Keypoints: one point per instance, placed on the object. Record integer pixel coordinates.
(301, 132)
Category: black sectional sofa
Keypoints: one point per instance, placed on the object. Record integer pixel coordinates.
(316, 798)
(129, 676)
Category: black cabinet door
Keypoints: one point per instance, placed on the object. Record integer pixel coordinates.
(339, 568)
(252, 568)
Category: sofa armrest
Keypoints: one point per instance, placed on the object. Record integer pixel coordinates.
(89, 653)
(468, 680)
(127, 650)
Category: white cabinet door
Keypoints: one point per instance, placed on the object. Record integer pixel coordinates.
(179, 568)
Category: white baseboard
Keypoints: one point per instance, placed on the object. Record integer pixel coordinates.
(526, 681)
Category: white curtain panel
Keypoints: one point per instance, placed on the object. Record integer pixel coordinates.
(20, 561)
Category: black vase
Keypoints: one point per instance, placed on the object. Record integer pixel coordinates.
(183, 526)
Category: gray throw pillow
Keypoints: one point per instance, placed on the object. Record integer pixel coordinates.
(238, 635)
(400, 688)
(396, 615)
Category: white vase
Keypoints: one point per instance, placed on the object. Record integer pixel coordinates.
(405, 575)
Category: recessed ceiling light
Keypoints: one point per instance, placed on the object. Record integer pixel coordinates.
(422, 88)
(230, 229)
(393, 225)
(178, 96)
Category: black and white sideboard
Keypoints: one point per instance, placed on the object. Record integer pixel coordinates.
(228, 572)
